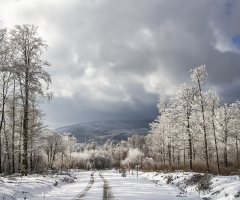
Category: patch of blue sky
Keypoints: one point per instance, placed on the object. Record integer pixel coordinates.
(236, 41)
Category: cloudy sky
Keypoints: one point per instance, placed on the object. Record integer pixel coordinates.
(113, 59)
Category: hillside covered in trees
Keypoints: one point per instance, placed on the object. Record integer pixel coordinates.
(101, 131)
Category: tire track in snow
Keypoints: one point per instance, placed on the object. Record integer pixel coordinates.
(107, 190)
(84, 192)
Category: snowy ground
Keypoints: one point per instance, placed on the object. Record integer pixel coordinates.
(109, 184)
(222, 187)
(44, 187)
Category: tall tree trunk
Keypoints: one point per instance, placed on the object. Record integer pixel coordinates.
(194, 154)
(13, 130)
(215, 140)
(173, 154)
(169, 154)
(32, 137)
(62, 162)
(7, 154)
(178, 158)
(163, 153)
(184, 155)
(20, 147)
(1, 125)
(189, 143)
(225, 156)
(204, 125)
(237, 150)
(31, 155)
(2, 119)
(25, 124)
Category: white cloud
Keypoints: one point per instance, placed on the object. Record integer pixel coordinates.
(158, 83)
(223, 43)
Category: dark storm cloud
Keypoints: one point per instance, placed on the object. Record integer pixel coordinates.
(68, 112)
(113, 59)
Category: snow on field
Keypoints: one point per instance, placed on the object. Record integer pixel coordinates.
(222, 187)
(96, 185)
(44, 187)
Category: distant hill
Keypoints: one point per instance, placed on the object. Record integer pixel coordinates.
(100, 131)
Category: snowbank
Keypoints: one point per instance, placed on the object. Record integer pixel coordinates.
(221, 187)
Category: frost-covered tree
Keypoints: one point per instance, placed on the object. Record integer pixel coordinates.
(92, 146)
(5, 81)
(225, 115)
(28, 65)
(51, 145)
(134, 158)
(198, 76)
(235, 124)
(165, 146)
(69, 142)
(213, 107)
(159, 131)
(184, 102)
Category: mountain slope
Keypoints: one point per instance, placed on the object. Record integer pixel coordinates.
(100, 131)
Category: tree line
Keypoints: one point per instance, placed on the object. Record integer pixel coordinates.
(23, 86)
(197, 130)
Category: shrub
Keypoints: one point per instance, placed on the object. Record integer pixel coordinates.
(169, 179)
(201, 181)
(67, 180)
(237, 195)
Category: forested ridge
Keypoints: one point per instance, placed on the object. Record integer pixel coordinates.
(194, 130)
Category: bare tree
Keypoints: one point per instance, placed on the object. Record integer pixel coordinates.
(213, 104)
(235, 125)
(52, 143)
(183, 102)
(5, 60)
(28, 65)
(199, 75)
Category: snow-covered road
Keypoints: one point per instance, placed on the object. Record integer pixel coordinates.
(96, 185)
(132, 188)
(109, 185)
(77, 190)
